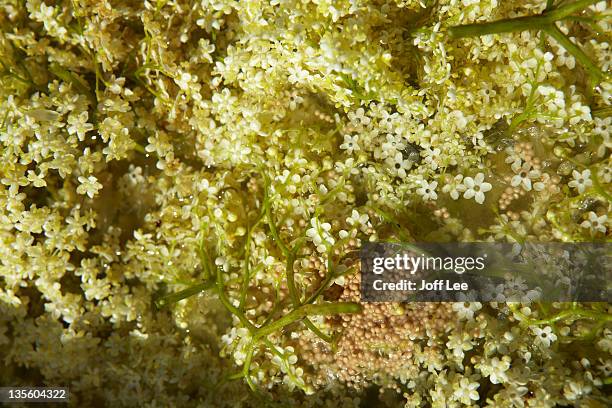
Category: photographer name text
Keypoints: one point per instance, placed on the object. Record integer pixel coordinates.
(406, 285)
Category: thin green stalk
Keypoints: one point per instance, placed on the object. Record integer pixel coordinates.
(205, 259)
(560, 13)
(295, 299)
(592, 69)
(590, 21)
(497, 27)
(247, 255)
(543, 22)
(324, 309)
(291, 278)
(272, 225)
(326, 282)
(527, 113)
(247, 366)
(183, 294)
(290, 255)
(229, 306)
(564, 315)
(139, 148)
(574, 314)
(311, 326)
(69, 77)
(388, 218)
(536, 22)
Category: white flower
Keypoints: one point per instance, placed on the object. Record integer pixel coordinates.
(459, 343)
(467, 391)
(294, 101)
(459, 119)
(398, 164)
(605, 367)
(204, 185)
(50, 20)
(350, 144)
(428, 190)
(605, 174)
(393, 143)
(599, 7)
(524, 175)
(465, 310)
(359, 117)
(582, 180)
(431, 157)
(573, 390)
(497, 369)
(95, 288)
(602, 126)
(319, 234)
(595, 223)
(357, 219)
(476, 187)
(579, 112)
(184, 80)
(297, 74)
(544, 336)
(115, 85)
(606, 342)
(89, 186)
(515, 284)
(78, 124)
(454, 186)
(37, 180)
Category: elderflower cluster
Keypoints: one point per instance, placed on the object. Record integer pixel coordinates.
(185, 187)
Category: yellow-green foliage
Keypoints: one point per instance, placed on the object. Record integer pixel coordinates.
(184, 186)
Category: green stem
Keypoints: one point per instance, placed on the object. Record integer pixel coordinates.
(70, 78)
(544, 22)
(272, 225)
(247, 256)
(139, 148)
(228, 304)
(580, 19)
(295, 297)
(602, 112)
(497, 27)
(291, 278)
(574, 314)
(390, 219)
(527, 113)
(290, 254)
(565, 314)
(594, 72)
(311, 326)
(325, 309)
(520, 23)
(247, 366)
(331, 275)
(183, 294)
(568, 9)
